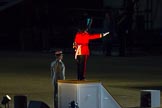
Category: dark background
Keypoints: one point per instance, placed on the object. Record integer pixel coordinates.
(37, 25)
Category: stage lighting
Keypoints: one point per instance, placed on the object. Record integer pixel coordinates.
(5, 100)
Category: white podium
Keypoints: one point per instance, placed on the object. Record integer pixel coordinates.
(87, 94)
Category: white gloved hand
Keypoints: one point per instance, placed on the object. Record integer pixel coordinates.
(104, 34)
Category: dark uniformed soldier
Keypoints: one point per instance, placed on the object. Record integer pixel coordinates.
(57, 73)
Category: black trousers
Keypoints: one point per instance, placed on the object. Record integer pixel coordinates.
(81, 66)
(56, 95)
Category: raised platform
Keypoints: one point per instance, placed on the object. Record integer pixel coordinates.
(79, 81)
(86, 94)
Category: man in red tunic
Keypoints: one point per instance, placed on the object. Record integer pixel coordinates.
(80, 45)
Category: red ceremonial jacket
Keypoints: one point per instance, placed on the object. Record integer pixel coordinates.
(82, 40)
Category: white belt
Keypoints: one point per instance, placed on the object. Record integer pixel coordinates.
(77, 51)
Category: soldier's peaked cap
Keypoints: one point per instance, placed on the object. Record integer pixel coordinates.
(58, 52)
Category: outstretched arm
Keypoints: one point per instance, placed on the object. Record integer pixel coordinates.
(95, 36)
